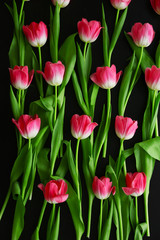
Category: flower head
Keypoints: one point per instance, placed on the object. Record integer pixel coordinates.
(81, 126)
(156, 6)
(61, 3)
(152, 77)
(142, 35)
(54, 191)
(106, 77)
(135, 184)
(102, 187)
(27, 125)
(120, 4)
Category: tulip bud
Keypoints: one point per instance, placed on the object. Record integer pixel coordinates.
(106, 77)
(36, 34)
(20, 78)
(120, 4)
(102, 187)
(27, 125)
(61, 3)
(54, 191)
(135, 184)
(53, 73)
(81, 126)
(152, 78)
(88, 31)
(142, 35)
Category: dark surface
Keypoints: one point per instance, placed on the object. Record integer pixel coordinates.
(37, 10)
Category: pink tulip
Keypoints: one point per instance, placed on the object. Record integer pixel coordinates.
(136, 183)
(102, 187)
(53, 73)
(36, 34)
(20, 78)
(142, 35)
(81, 126)
(125, 127)
(61, 3)
(120, 4)
(88, 31)
(54, 191)
(106, 77)
(152, 77)
(156, 6)
(27, 125)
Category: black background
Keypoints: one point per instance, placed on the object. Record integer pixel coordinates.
(38, 10)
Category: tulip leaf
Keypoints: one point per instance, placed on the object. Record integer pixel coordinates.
(14, 104)
(63, 166)
(140, 231)
(154, 118)
(18, 221)
(16, 190)
(43, 165)
(157, 56)
(107, 221)
(93, 92)
(106, 40)
(55, 227)
(35, 235)
(13, 52)
(133, 214)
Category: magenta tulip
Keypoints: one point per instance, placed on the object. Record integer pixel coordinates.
(81, 126)
(156, 6)
(53, 73)
(61, 3)
(36, 34)
(142, 35)
(152, 78)
(120, 4)
(54, 191)
(102, 187)
(20, 78)
(106, 77)
(125, 127)
(88, 31)
(135, 184)
(27, 125)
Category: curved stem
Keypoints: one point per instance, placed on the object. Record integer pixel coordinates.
(40, 85)
(136, 206)
(119, 157)
(77, 172)
(21, 11)
(41, 214)
(55, 109)
(100, 220)
(89, 216)
(5, 201)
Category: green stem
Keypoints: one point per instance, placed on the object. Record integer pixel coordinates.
(117, 17)
(107, 120)
(77, 172)
(146, 212)
(119, 157)
(153, 106)
(21, 11)
(136, 206)
(55, 109)
(40, 85)
(29, 143)
(41, 214)
(5, 201)
(89, 216)
(100, 220)
(120, 224)
(85, 48)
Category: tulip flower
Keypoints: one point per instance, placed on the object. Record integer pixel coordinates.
(135, 184)
(120, 4)
(81, 126)
(102, 187)
(125, 127)
(88, 31)
(106, 77)
(152, 77)
(61, 3)
(53, 73)
(36, 34)
(54, 191)
(20, 78)
(27, 125)
(156, 6)
(142, 35)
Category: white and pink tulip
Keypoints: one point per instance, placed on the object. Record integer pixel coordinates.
(55, 191)
(82, 126)
(53, 73)
(28, 126)
(142, 34)
(102, 188)
(106, 77)
(20, 77)
(120, 4)
(152, 77)
(88, 31)
(36, 33)
(135, 184)
(61, 3)
(125, 127)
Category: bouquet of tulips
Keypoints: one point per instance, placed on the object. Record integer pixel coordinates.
(59, 169)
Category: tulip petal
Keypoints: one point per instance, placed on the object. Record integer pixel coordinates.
(129, 191)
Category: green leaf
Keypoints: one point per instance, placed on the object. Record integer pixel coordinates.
(13, 52)
(43, 165)
(133, 214)
(140, 231)
(154, 118)
(14, 104)
(57, 137)
(63, 166)
(35, 235)
(107, 221)
(55, 227)
(93, 92)
(117, 30)
(157, 56)
(18, 221)
(16, 190)
(54, 32)
(40, 139)
(147, 61)
(105, 38)
(15, 18)
(67, 54)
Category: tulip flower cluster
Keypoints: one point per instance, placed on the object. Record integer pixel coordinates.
(76, 168)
